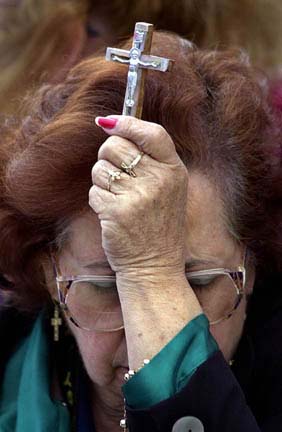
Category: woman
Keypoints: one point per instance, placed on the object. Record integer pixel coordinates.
(179, 235)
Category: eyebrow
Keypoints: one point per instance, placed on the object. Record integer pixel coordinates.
(188, 264)
(97, 264)
(199, 262)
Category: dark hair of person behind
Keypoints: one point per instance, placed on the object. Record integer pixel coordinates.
(214, 109)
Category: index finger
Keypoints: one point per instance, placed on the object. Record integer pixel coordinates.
(150, 137)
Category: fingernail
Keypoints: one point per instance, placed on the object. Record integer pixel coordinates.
(106, 122)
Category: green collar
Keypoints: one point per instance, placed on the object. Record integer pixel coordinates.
(25, 402)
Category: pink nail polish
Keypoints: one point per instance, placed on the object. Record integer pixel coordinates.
(106, 122)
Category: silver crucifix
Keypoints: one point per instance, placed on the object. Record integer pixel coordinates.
(139, 61)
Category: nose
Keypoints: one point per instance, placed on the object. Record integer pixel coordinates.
(121, 357)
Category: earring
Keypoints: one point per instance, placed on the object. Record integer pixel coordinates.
(56, 321)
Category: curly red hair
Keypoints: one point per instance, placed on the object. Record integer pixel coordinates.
(212, 105)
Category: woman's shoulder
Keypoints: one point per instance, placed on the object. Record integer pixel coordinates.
(14, 326)
(266, 302)
(258, 361)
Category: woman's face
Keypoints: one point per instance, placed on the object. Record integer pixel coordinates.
(209, 245)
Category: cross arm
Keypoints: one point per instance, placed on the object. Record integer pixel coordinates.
(113, 53)
(146, 61)
(155, 63)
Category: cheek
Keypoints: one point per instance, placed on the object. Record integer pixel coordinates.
(99, 352)
(228, 333)
(224, 338)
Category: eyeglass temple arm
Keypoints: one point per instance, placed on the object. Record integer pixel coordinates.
(61, 296)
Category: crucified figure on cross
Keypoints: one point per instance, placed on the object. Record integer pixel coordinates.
(134, 62)
(138, 63)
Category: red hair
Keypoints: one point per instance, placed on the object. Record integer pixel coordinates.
(211, 104)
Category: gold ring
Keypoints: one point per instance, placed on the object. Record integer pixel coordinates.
(129, 169)
(113, 175)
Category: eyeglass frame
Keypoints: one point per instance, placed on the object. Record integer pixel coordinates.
(232, 274)
(63, 297)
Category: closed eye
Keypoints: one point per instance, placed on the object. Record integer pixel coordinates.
(201, 281)
(106, 286)
(98, 286)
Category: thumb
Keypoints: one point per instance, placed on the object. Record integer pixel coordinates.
(151, 138)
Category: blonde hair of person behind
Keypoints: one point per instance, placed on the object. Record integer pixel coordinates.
(36, 36)
(254, 25)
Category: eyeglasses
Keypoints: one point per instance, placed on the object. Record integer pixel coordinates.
(92, 303)
(218, 290)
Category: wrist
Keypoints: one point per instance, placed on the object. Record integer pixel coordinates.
(150, 277)
(161, 263)
(155, 307)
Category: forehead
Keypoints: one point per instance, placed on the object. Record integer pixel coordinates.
(207, 236)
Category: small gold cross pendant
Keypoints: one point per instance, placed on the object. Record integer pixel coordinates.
(56, 321)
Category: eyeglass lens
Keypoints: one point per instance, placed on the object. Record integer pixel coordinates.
(217, 294)
(95, 306)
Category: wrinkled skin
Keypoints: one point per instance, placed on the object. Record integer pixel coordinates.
(146, 229)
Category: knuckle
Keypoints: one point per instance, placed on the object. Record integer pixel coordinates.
(107, 147)
(159, 133)
(94, 172)
(91, 196)
(128, 126)
(97, 169)
(94, 199)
